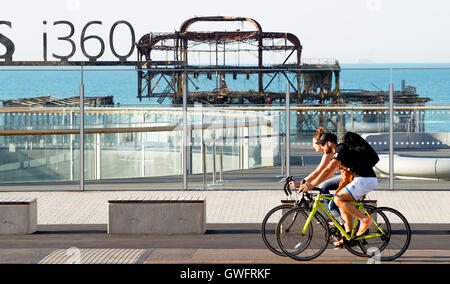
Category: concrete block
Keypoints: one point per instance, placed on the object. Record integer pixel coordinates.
(151, 216)
(18, 216)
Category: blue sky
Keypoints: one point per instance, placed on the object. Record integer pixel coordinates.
(351, 31)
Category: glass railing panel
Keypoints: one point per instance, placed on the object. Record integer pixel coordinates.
(229, 145)
(236, 140)
(353, 98)
(132, 138)
(421, 143)
(38, 126)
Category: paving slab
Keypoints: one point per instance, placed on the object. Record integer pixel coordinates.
(261, 256)
(199, 256)
(249, 206)
(75, 255)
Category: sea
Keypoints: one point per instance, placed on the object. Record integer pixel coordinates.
(430, 80)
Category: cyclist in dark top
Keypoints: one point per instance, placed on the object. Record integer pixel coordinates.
(364, 181)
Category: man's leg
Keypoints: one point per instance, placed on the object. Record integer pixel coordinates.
(343, 200)
(356, 189)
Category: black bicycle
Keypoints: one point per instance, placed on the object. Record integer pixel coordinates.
(270, 221)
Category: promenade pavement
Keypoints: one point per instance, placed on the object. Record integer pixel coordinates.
(233, 215)
(74, 223)
(223, 206)
(245, 198)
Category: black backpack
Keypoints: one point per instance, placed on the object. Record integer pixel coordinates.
(361, 146)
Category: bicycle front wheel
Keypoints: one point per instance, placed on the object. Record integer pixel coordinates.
(269, 225)
(296, 244)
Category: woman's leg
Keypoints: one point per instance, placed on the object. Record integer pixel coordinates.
(330, 184)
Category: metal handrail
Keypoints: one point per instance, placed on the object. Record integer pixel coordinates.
(215, 108)
(130, 129)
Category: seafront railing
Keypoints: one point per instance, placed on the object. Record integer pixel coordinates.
(39, 144)
(126, 141)
(148, 146)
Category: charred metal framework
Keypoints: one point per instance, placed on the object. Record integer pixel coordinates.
(53, 101)
(166, 60)
(307, 82)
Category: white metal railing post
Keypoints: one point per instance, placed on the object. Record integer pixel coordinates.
(71, 144)
(221, 165)
(82, 132)
(205, 173)
(288, 131)
(214, 160)
(98, 155)
(222, 144)
(391, 136)
(185, 134)
(283, 156)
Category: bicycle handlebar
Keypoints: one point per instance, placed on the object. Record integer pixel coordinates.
(286, 187)
(288, 192)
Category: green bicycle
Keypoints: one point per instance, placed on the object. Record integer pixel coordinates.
(304, 233)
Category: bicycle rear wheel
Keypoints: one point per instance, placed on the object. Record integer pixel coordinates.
(372, 246)
(269, 225)
(399, 237)
(358, 247)
(301, 246)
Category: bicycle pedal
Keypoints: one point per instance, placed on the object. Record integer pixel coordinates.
(346, 243)
(333, 238)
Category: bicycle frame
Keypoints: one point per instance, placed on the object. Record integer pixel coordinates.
(318, 205)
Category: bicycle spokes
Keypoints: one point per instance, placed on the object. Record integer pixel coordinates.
(302, 242)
